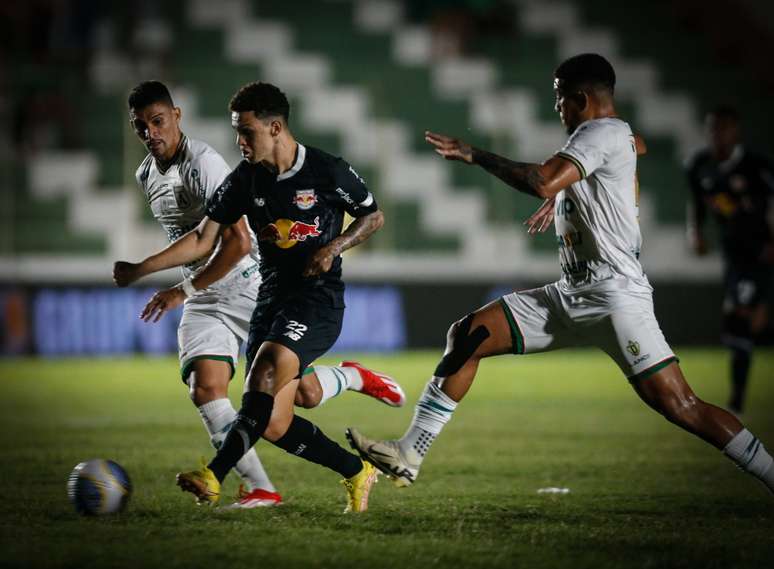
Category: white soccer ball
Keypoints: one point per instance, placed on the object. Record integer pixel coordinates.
(98, 487)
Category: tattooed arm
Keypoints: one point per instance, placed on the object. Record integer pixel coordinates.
(358, 231)
(541, 180)
(523, 176)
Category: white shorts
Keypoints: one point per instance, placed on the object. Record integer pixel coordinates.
(214, 326)
(618, 321)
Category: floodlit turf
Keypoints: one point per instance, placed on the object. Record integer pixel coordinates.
(643, 494)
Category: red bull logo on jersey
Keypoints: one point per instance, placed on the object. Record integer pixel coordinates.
(285, 233)
(305, 199)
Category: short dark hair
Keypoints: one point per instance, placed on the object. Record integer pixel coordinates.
(586, 70)
(264, 99)
(726, 112)
(147, 93)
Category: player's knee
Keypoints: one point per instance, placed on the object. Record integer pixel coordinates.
(453, 331)
(309, 394)
(462, 345)
(262, 372)
(203, 390)
(457, 332)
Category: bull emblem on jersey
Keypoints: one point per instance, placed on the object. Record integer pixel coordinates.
(285, 233)
(305, 199)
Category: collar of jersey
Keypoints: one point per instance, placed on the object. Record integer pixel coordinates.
(175, 157)
(729, 163)
(300, 157)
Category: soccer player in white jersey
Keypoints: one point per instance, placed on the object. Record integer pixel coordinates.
(177, 177)
(603, 299)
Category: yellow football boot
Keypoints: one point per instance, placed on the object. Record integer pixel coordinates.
(201, 483)
(358, 487)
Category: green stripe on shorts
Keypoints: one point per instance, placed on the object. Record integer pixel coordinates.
(653, 369)
(187, 367)
(517, 338)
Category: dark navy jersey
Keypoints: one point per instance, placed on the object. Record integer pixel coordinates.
(737, 192)
(293, 214)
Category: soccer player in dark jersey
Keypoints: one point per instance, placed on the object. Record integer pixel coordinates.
(177, 178)
(736, 186)
(294, 198)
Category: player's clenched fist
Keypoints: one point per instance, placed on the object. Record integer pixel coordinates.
(450, 148)
(320, 262)
(125, 273)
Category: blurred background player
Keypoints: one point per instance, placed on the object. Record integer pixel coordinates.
(603, 299)
(736, 186)
(177, 177)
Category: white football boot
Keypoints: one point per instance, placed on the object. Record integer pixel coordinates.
(386, 456)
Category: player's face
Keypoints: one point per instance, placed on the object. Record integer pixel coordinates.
(722, 134)
(158, 127)
(256, 137)
(568, 109)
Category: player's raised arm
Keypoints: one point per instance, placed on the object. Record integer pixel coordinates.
(197, 243)
(235, 244)
(541, 180)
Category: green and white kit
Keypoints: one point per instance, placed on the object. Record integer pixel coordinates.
(216, 319)
(604, 298)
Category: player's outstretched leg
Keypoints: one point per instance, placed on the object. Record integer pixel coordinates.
(264, 415)
(299, 437)
(481, 334)
(208, 385)
(306, 440)
(321, 383)
(667, 392)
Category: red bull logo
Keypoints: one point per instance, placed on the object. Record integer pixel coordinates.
(305, 199)
(285, 233)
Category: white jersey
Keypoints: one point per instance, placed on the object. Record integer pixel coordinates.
(597, 229)
(178, 198)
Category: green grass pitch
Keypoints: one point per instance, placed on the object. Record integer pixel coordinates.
(643, 493)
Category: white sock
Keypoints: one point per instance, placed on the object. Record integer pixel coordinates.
(750, 455)
(433, 411)
(335, 380)
(217, 416)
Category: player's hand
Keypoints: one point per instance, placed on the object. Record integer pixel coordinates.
(541, 220)
(161, 302)
(125, 273)
(450, 148)
(639, 145)
(320, 262)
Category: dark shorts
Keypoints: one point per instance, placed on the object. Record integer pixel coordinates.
(746, 287)
(307, 322)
